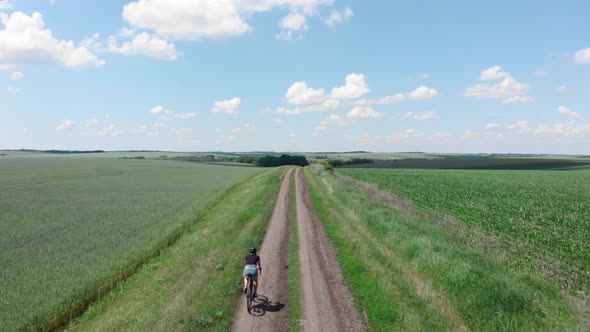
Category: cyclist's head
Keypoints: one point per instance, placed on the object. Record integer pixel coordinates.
(252, 250)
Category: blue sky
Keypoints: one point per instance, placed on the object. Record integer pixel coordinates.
(296, 75)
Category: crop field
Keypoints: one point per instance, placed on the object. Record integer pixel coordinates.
(71, 227)
(543, 217)
(463, 162)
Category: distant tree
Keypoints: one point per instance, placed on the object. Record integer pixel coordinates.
(284, 159)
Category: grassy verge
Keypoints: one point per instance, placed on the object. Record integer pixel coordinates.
(294, 273)
(194, 284)
(407, 273)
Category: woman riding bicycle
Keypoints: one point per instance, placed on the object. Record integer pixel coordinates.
(251, 269)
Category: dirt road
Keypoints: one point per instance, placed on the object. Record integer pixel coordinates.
(326, 304)
(270, 313)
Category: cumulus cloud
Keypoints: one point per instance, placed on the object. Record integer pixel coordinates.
(17, 75)
(246, 127)
(422, 92)
(508, 89)
(183, 131)
(583, 56)
(561, 89)
(93, 122)
(326, 105)
(356, 86)
(492, 126)
(566, 111)
(519, 100)
(227, 106)
(520, 127)
(198, 19)
(337, 17)
(110, 130)
(421, 116)
(185, 116)
(25, 41)
(153, 129)
(292, 26)
(568, 129)
(142, 44)
(159, 110)
(493, 73)
(5, 4)
(300, 93)
(360, 112)
(64, 124)
(404, 135)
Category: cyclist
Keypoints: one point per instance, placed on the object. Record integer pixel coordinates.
(252, 269)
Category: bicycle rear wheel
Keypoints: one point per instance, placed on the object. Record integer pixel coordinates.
(249, 294)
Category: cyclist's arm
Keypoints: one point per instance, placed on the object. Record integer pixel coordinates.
(259, 264)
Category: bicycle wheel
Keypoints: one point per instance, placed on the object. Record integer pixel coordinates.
(249, 294)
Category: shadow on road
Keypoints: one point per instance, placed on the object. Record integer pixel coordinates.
(262, 305)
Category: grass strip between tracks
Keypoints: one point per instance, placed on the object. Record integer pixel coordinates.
(194, 284)
(407, 273)
(294, 272)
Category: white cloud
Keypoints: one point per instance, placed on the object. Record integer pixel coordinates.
(326, 105)
(197, 19)
(561, 89)
(323, 126)
(493, 73)
(183, 131)
(356, 87)
(25, 41)
(247, 127)
(5, 4)
(159, 110)
(229, 106)
(509, 90)
(583, 56)
(337, 17)
(566, 111)
(519, 100)
(520, 127)
(492, 126)
(424, 76)
(92, 122)
(360, 112)
(300, 93)
(422, 92)
(404, 136)
(468, 134)
(421, 116)
(13, 91)
(142, 44)
(110, 130)
(17, 75)
(292, 26)
(185, 116)
(568, 129)
(64, 124)
(276, 120)
(153, 129)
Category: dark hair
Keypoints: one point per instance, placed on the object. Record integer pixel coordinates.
(252, 250)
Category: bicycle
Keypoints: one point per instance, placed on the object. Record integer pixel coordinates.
(250, 292)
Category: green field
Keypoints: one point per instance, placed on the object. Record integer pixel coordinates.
(409, 272)
(541, 217)
(71, 227)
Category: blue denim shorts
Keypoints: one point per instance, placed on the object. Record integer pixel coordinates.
(250, 271)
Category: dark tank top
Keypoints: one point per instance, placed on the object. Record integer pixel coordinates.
(252, 259)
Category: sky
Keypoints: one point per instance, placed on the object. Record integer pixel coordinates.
(457, 76)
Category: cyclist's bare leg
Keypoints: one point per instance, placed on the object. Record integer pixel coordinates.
(255, 279)
(245, 282)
